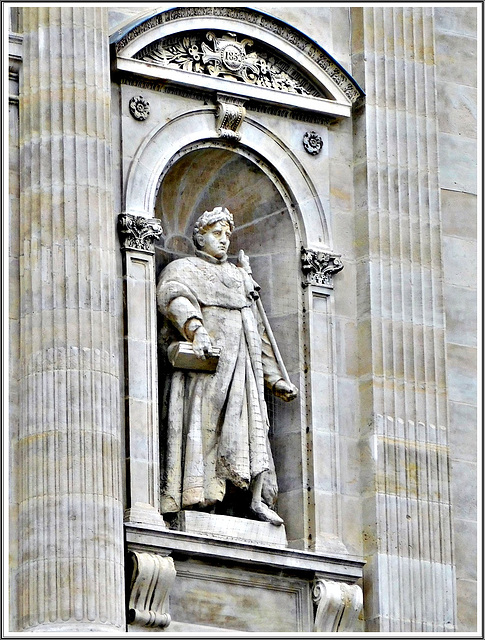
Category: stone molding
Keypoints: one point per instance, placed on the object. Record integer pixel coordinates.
(138, 232)
(338, 606)
(345, 567)
(319, 267)
(152, 579)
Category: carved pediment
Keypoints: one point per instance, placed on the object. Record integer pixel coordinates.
(251, 55)
(230, 56)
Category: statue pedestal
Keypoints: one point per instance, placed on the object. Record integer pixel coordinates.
(230, 528)
(223, 583)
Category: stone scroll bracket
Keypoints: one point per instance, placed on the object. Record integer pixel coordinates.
(152, 578)
(337, 606)
(230, 114)
(319, 267)
(137, 236)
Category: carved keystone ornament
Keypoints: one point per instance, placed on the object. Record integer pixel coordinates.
(229, 116)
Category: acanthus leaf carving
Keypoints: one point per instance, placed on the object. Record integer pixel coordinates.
(137, 232)
(319, 266)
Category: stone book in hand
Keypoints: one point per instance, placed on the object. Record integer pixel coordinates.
(181, 356)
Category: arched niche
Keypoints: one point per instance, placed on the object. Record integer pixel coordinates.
(205, 175)
(171, 163)
(195, 126)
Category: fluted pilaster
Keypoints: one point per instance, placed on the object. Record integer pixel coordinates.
(403, 383)
(70, 498)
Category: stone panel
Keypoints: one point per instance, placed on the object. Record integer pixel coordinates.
(458, 109)
(456, 58)
(463, 436)
(458, 162)
(459, 20)
(241, 600)
(461, 315)
(460, 214)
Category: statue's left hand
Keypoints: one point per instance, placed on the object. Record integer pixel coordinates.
(243, 261)
(284, 390)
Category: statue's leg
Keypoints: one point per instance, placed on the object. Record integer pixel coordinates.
(259, 509)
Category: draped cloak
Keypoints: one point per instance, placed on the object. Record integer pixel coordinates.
(216, 424)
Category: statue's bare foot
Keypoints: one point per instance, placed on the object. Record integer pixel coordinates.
(262, 512)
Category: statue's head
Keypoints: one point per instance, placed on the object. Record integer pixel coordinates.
(212, 231)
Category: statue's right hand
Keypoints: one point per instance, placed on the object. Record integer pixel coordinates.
(202, 343)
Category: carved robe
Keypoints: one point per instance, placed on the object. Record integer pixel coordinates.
(216, 424)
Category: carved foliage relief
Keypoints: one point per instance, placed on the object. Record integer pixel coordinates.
(228, 56)
(319, 266)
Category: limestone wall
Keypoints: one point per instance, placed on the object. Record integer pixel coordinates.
(456, 70)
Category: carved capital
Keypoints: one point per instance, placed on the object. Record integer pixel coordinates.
(152, 579)
(338, 606)
(319, 266)
(229, 116)
(137, 232)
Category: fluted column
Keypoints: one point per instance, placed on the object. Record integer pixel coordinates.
(407, 533)
(70, 574)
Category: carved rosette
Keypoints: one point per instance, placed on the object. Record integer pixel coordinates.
(338, 606)
(229, 117)
(152, 579)
(139, 108)
(312, 142)
(137, 232)
(319, 267)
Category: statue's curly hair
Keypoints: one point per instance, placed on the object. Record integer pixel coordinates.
(208, 218)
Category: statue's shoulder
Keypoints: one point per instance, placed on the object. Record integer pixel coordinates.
(178, 267)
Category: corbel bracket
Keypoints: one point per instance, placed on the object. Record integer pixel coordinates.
(152, 579)
(229, 116)
(338, 606)
(319, 266)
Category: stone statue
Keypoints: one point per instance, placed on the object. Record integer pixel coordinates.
(214, 413)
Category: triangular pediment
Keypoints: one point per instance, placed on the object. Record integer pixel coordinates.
(239, 51)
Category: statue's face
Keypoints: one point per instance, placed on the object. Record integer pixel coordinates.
(216, 239)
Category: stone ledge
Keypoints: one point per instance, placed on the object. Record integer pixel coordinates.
(333, 566)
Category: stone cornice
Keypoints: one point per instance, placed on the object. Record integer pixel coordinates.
(341, 567)
(238, 50)
(325, 61)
